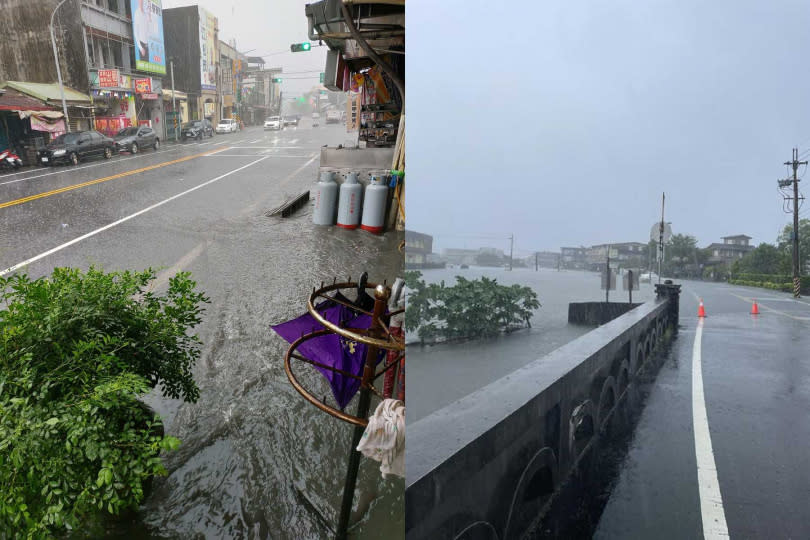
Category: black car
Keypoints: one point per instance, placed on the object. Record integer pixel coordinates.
(291, 121)
(76, 146)
(133, 139)
(197, 129)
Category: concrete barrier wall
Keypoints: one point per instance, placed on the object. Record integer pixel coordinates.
(485, 467)
(597, 313)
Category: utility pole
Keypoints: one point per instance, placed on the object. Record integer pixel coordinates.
(536, 268)
(786, 183)
(174, 103)
(58, 69)
(511, 249)
(661, 238)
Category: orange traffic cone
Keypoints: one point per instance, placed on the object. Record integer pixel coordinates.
(701, 310)
(755, 309)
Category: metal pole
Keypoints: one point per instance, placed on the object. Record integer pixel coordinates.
(607, 277)
(380, 302)
(511, 249)
(174, 103)
(630, 284)
(58, 69)
(535, 261)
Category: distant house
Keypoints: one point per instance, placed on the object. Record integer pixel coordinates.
(544, 259)
(573, 257)
(418, 248)
(733, 248)
(459, 256)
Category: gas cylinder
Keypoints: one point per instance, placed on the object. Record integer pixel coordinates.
(350, 202)
(374, 202)
(326, 192)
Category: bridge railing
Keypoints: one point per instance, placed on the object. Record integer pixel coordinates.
(487, 465)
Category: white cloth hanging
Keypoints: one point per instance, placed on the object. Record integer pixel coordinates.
(384, 437)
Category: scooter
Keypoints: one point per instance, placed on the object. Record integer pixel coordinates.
(10, 160)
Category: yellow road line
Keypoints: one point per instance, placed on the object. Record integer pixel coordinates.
(766, 308)
(106, 178)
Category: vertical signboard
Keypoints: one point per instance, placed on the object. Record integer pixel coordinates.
(147, 31)
(208, 51)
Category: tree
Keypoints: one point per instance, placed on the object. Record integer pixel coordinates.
(764, 259)
(785, 245)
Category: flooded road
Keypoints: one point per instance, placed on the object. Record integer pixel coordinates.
(256, 460)
(441, 374)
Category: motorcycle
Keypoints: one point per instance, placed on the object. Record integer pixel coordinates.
(10, 160)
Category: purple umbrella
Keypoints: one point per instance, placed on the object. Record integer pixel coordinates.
(331, 349)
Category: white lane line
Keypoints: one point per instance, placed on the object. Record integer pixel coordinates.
(122, 220)
(272, 147)
(71, 169)
(711, 502)
(262, 153)
(293, 141)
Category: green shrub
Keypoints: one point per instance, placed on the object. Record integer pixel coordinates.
(76, 352)
(470, 308)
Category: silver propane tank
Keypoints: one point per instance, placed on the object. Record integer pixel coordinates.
(350, 202)
(374, 202)
(326, 192)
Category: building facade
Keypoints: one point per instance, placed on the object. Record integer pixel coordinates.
(418, 248)
(731, 249)
(192, 43)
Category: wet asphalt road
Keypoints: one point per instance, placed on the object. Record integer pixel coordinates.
(256, 460)
(756, 382)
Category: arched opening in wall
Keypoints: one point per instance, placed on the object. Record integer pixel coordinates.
(640, 358)
(583, 433)
(540, 485)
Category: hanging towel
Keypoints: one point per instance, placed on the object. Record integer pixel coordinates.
(384, 437)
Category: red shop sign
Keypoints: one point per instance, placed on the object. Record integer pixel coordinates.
(108, 78)
(143, 86)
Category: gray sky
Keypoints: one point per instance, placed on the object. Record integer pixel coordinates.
(564, 121)
(268, 27)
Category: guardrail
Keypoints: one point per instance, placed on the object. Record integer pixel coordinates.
(487, 466)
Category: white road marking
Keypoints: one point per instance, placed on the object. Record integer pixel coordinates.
(263, 152)
(272, 147)
(711, 501)
(122, 220)
(293, 141)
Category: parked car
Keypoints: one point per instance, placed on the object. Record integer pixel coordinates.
(332, 117)
(273, 122)
(197, 129)
(133, 139)
(76, 146)
(227, 125)
(290, 121)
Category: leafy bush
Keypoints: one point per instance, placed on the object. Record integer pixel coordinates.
(76, 352)
(470, 308)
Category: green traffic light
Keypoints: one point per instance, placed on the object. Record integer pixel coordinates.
(305, 46)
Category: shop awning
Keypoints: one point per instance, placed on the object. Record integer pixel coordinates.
(167, 95)
(15, 101)
(48, 93)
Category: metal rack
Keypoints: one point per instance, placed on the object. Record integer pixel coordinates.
(377, 338)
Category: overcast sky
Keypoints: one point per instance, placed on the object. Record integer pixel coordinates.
(268, 27)
(563, 122)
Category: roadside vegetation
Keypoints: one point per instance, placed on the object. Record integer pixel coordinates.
(77, 351)
(469, 309)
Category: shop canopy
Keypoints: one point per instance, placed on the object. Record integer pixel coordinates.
(49, 94)
(14, 101)
(167, 95)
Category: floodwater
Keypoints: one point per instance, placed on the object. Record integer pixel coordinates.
(258, 461)
(441, 374)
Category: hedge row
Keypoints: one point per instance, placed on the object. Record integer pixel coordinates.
(776, 286)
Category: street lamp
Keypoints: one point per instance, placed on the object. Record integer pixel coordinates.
(58, 70)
